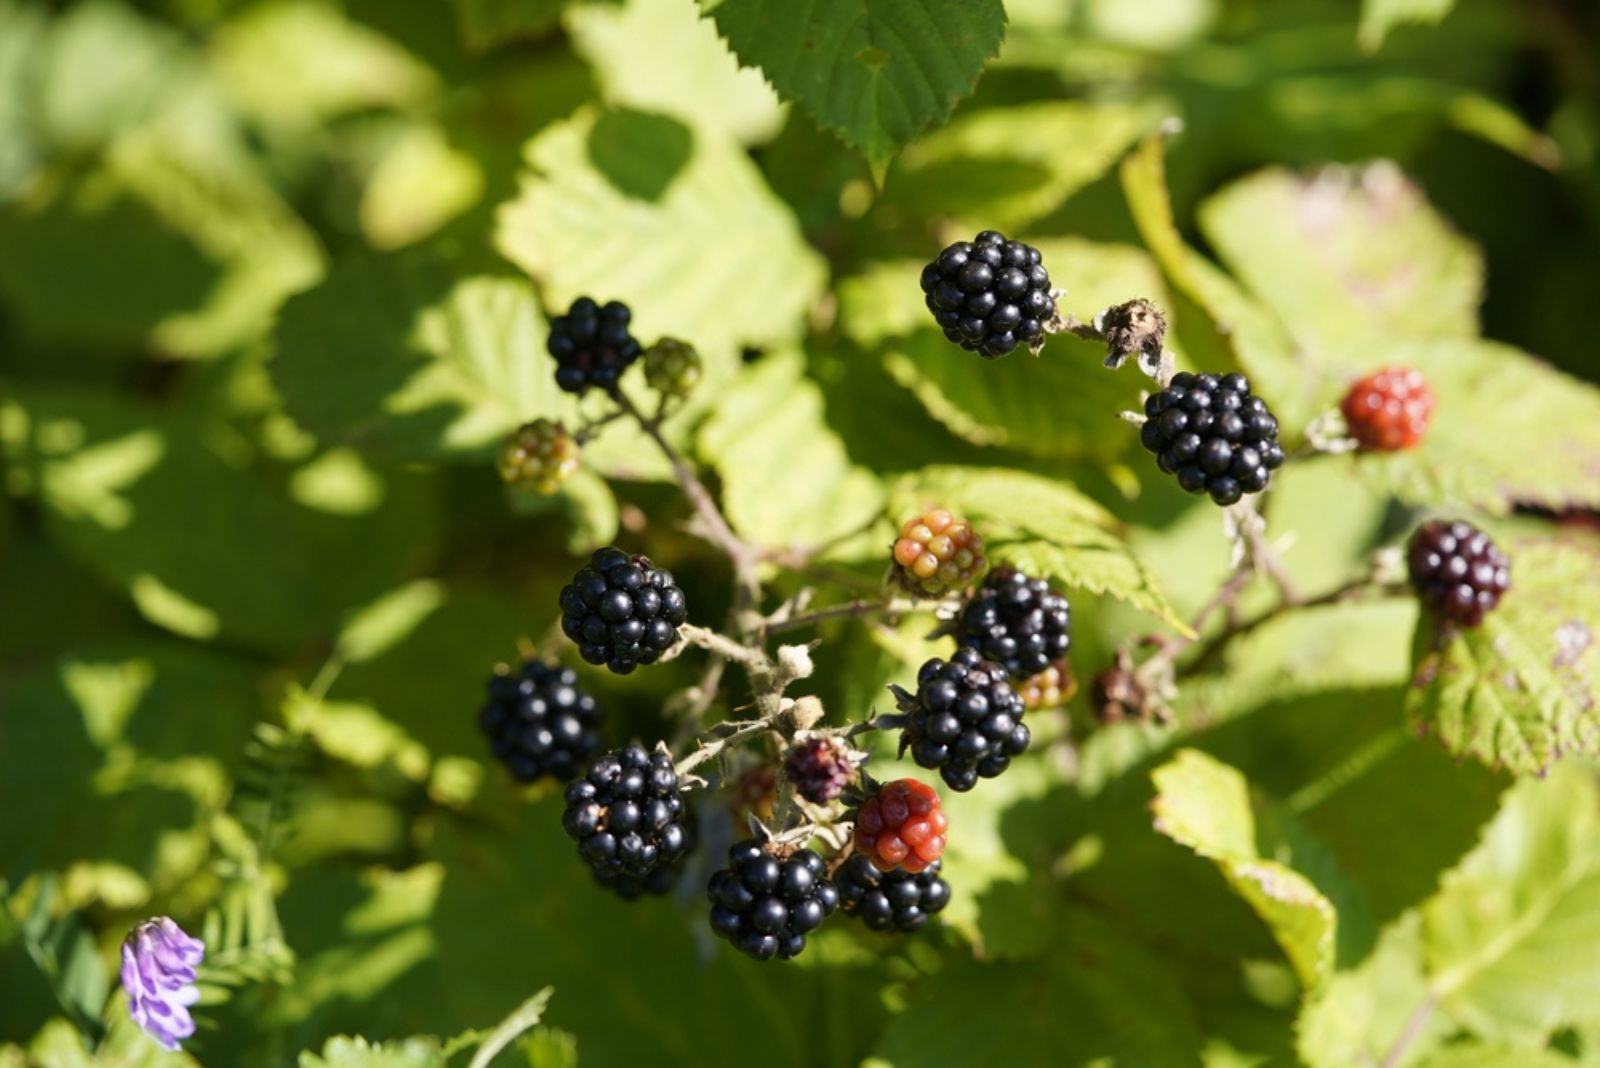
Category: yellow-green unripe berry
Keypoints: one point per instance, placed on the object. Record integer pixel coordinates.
(541, 455)
(672, 367)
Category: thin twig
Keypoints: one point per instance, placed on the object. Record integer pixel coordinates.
(722, 645)
(848, 610)
(719, 738)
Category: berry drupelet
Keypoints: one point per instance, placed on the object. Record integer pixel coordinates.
(1018, 622)
(1388, 410)
(901, 826)
(1457, 570)
(628, 818)
(990, 295)
(937, 554)
(965, 719)
(820, 769)
(540, 722)
(1213, 434)
(622, 611)
(893, 900)
(591, 345)
(766, 906)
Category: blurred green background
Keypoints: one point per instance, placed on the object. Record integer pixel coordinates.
(274, 280)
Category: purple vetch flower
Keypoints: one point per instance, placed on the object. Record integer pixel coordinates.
(158, 963)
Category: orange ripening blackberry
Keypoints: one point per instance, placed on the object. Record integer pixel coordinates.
(1388, 410)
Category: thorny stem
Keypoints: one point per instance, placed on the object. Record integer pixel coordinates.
(723, 646)
(719, 738)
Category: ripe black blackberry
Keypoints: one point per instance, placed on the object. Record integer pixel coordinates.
(539, 721)
(965, 719)
(894, 900)
(1457, 570)
(622, 611)
(766, 906)
(820, 769)
(592, 345)
(628, 818)
(990, 295)
(1018, 622)
(1213, 434)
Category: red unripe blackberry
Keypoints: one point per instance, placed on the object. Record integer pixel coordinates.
(901, 826)
(820, 769)
(622, 611)
(1388, 410)
(591, 345)
(541, 454)
(765, 905)
(990, 295)
(937, 553)
(895, 900)
(1457, 571)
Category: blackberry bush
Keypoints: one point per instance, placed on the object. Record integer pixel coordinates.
(672, 367)
(628, 818)
(964, 720)
(901, 826)
(894, 900)
(542, 455)
(540, 722)
(820, 769)
(591, 345)
(1018, 622)
(622, 611)
(1457, 570)
(1213, 434)
(1388, 410)
(990, 295)
(937, 554)
(766, 906)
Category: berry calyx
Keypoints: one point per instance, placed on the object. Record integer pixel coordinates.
(591, 345)
(901, 826)
(990, 295)
(1213, 434)
(1050, 688)
(819, 769)
(1118, 694)
(539, 721)
(628, 818)
(1457, 570)
(541, 455)
(965, 719)
(894, 900)
(937, 553)
(672, 367)
(765, 905)
(1018, 622)
(622, 611)
(1136, 328)
(1388, 410)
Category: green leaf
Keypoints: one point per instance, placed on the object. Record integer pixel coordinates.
(768, 430)
(1475, 1055)
(342, 1051)
(1008, 167)
(1520, 690)
(1507, 429)
(1348, 259)
(661, 55)
(1378, 17)
(521, 1018)
(1062, 405)
(1205, 805)
(401, 354)
(1512, 941)
(1361, 1014)
(874, 72)
(619, 204)
(487, 24)
(1046, 528)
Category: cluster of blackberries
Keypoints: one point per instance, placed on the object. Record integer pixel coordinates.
(1213, 434)
(1457, 570)
(819, 769)
(540, 722)
(1018, 622)
(766, 906)
(622, 611)
(591, 345)
(965, 719)
(894, 900)
(628, 819)
(990, 295)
